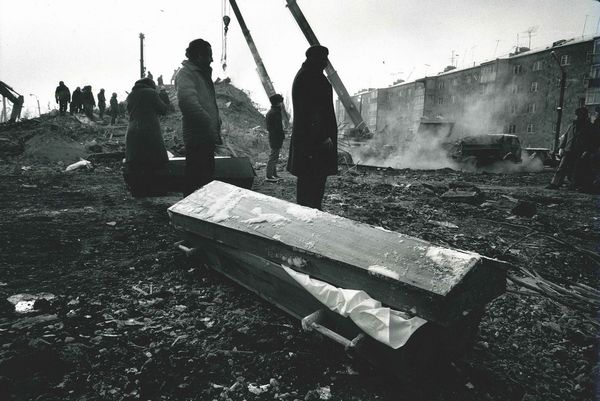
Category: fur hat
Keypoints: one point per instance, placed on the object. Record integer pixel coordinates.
(197, 46)
(317, 51)
(276, 99)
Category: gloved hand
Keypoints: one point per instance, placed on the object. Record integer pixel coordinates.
(327, 144)
(561, 151)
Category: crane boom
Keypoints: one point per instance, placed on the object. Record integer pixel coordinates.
(16, 99)
(332, 74)
(262, 71)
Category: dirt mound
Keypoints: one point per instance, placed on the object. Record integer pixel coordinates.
(51, 147)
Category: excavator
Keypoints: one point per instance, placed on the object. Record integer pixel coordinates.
(17, 100)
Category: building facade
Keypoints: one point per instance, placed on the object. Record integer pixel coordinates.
(518, 94)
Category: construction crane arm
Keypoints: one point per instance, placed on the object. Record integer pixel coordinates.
(16, 99)
(332, 74)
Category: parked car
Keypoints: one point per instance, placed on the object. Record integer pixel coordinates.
(485, 149)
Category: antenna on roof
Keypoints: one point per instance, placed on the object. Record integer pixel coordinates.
(530, 32)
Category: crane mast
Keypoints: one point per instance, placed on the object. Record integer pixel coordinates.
(332, 74)
(262, 71)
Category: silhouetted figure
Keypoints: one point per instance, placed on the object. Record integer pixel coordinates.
(101, 103)
(200, 115)
(62, 94)
(145, 153)
(114, 109)
(87, 99)
(164, 96)
(150, 76)
(160, 81)
(76, 104)
(313, 145)
(586, 166)
(571, 148)
(175, 71)
(276, 135)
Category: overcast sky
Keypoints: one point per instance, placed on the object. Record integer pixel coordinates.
(371, 42)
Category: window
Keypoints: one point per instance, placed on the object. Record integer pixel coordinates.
(564, 59)
(531, 108)
(530, 128)
(513, 108)
(441, 85)
(517, 69)
(516, 89)
(453, 99)
(512, 128)
(592, 96)
(454, 82)
(534, 87)
(597, 46)
(595, 72)
(537, 66)
(441, 100)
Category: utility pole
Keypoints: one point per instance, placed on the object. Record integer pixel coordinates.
(561, 99)
(142, 68)
(332, 74)
(260, 67)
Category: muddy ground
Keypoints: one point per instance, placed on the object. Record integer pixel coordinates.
(127, 316)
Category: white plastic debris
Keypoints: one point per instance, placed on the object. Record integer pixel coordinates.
(324, 393)
(81, 163)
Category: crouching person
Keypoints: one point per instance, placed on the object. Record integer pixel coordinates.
(145, 153)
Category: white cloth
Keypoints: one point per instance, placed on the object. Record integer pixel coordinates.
(385, 325)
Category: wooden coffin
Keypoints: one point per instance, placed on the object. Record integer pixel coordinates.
(439, 284)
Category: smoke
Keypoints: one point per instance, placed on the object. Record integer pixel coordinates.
(409, 141)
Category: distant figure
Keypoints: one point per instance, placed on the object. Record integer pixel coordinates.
(164, 96)
(114, 109)
(62, 94)
(571, 148)
(276, 135)
(145, 152)
(200, 115)
(150, 76)
(175, 71)
(160, 81)
(76, 104)
(313, 145)
(101, 103)
(87, 99)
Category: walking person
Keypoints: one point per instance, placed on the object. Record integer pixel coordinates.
(76, 101)
(313, 145)
(114, 109)
(200, 115)
(276, 135)
(101, 103)
(571, 148)
(87, 99)
(145, 153)
(62, 94)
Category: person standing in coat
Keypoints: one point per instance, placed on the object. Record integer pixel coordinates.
(62, 94)
(76, 101)
(313, 145)
(200, 115)
(101, 103)
(571, 147)
(276, 135)
(87, 99)
(114, 109)
(145, 152)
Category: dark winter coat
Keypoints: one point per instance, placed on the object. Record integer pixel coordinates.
(314, 122)
(577, 137)
(275, 127)
(196, 97)
(101, 99)
(76, 97)
(114, 105)
(62, 93)
(87, 97)
(144, 143)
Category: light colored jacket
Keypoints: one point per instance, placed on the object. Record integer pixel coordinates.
(196, 97)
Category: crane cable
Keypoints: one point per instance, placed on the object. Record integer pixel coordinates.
(226, 20)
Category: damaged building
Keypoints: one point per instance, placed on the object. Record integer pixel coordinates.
(518, 94)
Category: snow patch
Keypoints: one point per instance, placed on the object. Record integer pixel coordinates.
(270, 218)
(301, 213)
(383, 271)
(457, 261)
